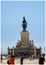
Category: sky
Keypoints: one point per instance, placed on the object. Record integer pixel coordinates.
(0, 27)
(12, 13)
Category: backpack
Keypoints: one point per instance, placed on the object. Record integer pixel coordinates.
(8, 62)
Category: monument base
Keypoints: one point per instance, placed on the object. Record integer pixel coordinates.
(25, 47)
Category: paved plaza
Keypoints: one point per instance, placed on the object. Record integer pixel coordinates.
(26, 61)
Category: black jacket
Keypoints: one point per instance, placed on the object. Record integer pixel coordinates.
(41, 60)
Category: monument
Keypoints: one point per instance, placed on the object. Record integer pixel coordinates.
(24, 47)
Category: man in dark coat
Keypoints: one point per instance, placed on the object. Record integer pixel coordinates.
(21, 61)
(41, 60)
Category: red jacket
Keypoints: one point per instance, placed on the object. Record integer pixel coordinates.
(11, 61)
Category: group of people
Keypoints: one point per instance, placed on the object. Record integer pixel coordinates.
(11, 60)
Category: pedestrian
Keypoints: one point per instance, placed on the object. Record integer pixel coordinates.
(11, 60)
(21, 61)
(41, 60)
(1, 58)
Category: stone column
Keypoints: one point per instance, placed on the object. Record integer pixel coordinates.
(34, 51)
(8, 50)
(40, 50)
(13, 51)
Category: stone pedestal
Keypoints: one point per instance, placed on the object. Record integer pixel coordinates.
(24, 38)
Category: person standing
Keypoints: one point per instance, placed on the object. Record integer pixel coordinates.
(11, 60)
(1, 58)
(21, 61)
(41, 59)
